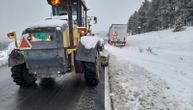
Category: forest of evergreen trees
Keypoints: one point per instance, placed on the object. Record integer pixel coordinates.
(156, 15)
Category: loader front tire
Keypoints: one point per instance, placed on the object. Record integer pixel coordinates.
(92, 71)
(22, 77)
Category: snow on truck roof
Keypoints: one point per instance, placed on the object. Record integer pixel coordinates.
(116, 25)
(55, 21)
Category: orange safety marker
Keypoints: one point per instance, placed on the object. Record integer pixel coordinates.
(25, 44)
(12, 35)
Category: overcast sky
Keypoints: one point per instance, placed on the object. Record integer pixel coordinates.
(112, 11)
(15, 15)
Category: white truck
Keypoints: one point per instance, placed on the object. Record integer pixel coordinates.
(118, 35)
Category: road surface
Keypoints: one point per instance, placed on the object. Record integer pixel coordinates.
(68, 93)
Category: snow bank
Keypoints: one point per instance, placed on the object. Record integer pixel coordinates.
(3, 57)
(89, 41)
(11, 47)
(167, 59)
(134, 88)
(5, 53)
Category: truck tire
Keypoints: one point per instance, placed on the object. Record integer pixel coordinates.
(92, 72)
(22, 77)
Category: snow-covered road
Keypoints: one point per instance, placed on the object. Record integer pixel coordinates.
(154, 71)
(68, 92)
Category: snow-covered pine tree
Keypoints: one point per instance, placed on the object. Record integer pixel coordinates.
(189, 18)
(143, 17)
(161, 14)
(133, 23)
(179, 25)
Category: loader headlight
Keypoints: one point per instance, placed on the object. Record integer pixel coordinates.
(30, 38)
(82, 30)
(49, 38)
(55, 3)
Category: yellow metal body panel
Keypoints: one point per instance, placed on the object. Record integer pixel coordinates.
(66, 39)
(69, 51)
(76, 37)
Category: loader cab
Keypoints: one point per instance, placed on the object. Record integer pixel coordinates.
(79, 10)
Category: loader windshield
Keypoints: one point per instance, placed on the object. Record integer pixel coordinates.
(62, 10)
(79, 11)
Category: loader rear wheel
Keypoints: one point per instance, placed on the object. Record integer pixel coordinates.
(92, 72)
(22, 77)
(91, 76)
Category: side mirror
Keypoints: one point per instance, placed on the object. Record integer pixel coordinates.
(95, 20)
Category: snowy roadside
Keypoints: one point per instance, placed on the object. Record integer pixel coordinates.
(134, 88)
(4, 54)
(108, 103)
(3, 57)
(153, 72)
